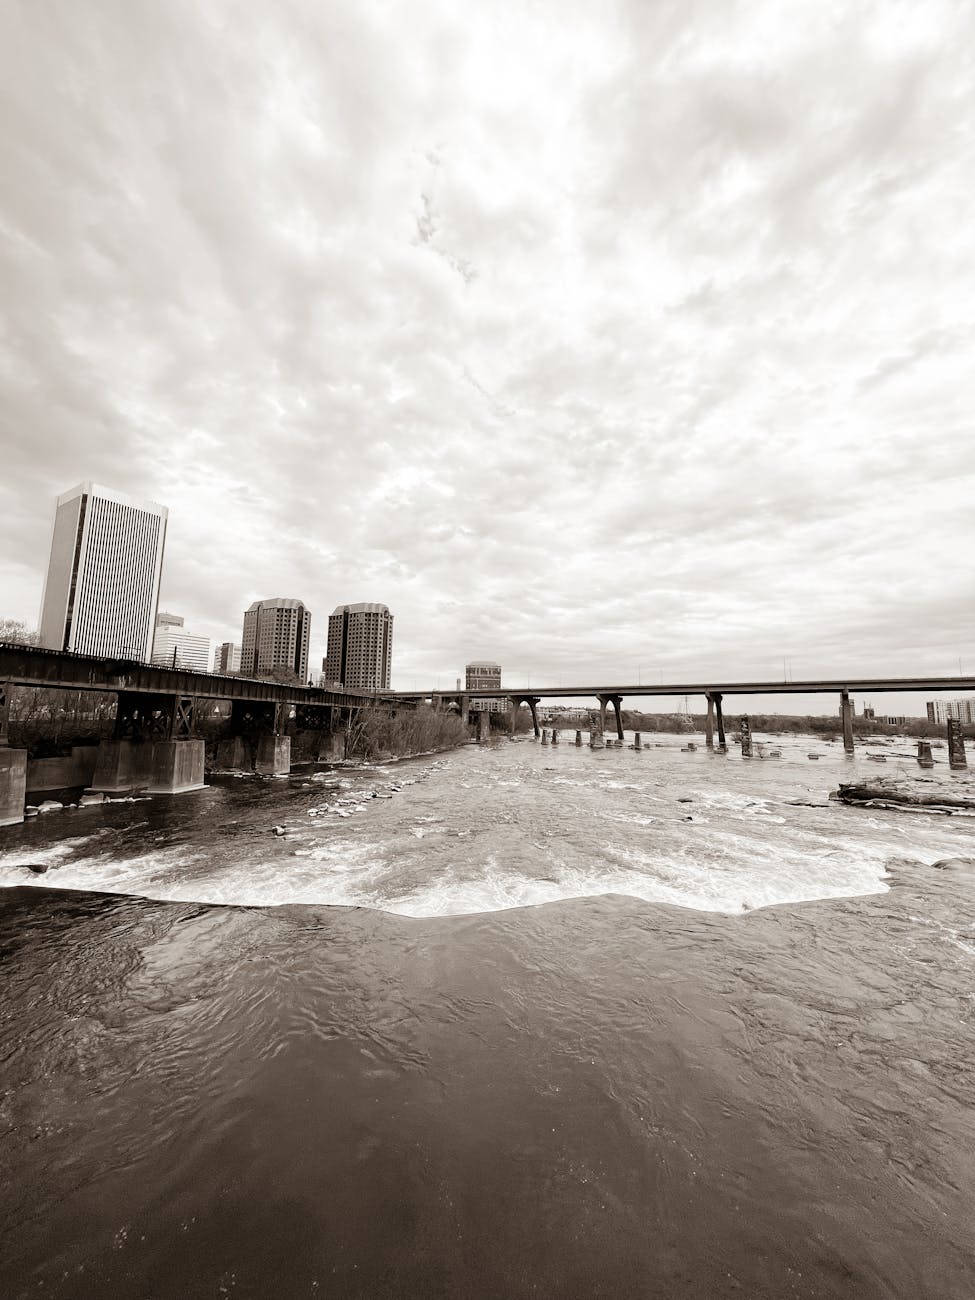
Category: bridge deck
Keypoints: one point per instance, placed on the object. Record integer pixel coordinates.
(27, 665)
(816, 686)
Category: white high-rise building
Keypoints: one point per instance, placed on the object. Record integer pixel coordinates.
(360, 646)
(174, 647)
(102, 587)
(226, 658)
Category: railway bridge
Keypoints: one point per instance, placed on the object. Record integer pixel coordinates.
(155, 745)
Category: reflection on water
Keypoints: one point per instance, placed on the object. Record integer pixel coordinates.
(603, 1095)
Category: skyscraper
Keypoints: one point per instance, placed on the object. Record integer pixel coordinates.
(360, 646)
(102, 586)
(174, 647)
(276, 633)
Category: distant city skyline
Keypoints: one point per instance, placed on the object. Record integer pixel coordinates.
(626, 342)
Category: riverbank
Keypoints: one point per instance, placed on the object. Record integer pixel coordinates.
(598, 1097)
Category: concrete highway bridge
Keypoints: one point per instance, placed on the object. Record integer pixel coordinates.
(713, 692)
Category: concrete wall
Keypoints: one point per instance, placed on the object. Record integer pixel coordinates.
(76, 769)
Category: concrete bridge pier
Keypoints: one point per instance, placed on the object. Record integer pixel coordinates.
(483, 728)
(719, 720)
(256, 742)
(579, 738)
(957, 758)
(846, 713)
(13, 785)
(637, 740)
(532, 701)
(545, 735)
(555, 736)
(153, 747)
(616, 701)
(156, 766)
(709, 722)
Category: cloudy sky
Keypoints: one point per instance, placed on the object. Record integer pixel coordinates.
(604, 340)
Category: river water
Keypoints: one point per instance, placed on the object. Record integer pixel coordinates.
(518, 1020)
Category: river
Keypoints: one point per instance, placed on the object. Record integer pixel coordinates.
(518, 1020)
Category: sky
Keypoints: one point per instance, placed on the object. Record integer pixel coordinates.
(615, 342)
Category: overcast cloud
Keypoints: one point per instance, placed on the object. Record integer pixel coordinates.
(597, 339)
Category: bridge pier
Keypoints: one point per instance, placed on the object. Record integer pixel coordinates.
(745, 727)
(957, 759)
(532, 701)
(483, 728)
(273, 755)
(709, 722)
(846, 713)
(616, 701)
(719, 721)
(13, 785)
(156, 766)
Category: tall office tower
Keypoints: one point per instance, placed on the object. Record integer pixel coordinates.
(174, 647)
(102, 586)
(360, 646)
(485, 675)
(276, 635)
(226, 658)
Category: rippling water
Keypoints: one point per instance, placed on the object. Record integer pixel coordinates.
(528, 1026)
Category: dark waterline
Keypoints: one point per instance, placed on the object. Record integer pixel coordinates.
(594, 1097)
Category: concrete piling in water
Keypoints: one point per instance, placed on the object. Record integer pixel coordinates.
(846, 713)
(596, 738)
(545, 735)
(709, 722)
(637, 740)
(719, 722)
(924, 755)
(579, 738)
(555, 736)
(957, 758)
(745, 727)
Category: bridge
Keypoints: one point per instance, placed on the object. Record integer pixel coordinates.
(713, 692)
(154, 745)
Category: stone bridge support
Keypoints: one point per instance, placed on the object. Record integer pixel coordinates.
(846, 713)
(745, 727)
(616, 701)
(957, 758)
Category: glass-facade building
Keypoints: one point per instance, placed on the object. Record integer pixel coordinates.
(101, 592)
